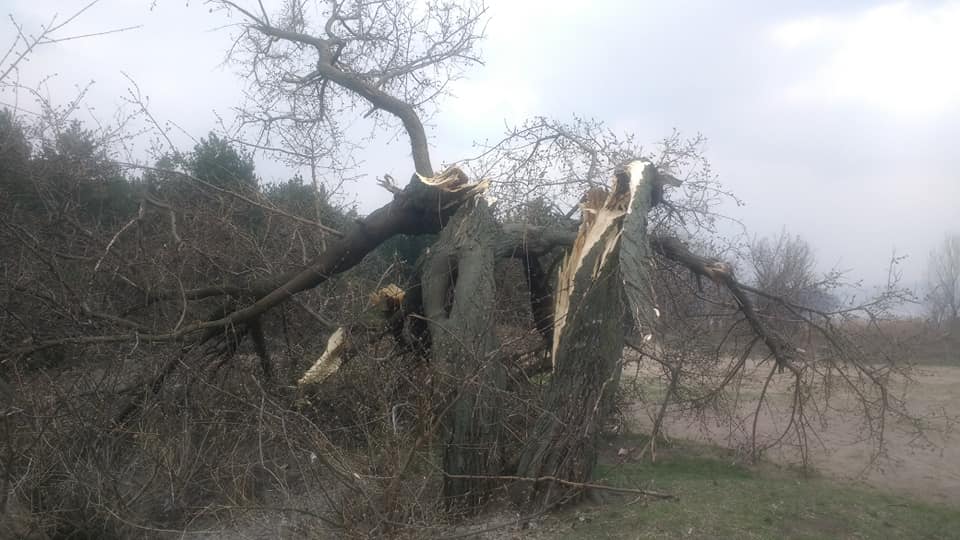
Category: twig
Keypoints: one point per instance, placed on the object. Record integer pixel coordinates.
(94, 34)
(113, 240)
(582, 485)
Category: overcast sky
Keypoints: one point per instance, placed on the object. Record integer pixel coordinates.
(835, 120)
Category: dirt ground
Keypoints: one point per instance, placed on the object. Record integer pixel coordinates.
(925, 468)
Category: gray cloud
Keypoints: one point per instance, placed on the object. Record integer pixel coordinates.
(856, 176)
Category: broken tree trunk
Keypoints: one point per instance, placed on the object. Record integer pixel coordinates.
(609, 258)
(464, 348)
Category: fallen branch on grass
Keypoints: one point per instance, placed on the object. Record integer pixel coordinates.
(582, 485)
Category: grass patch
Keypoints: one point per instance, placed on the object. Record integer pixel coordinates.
(721, 499)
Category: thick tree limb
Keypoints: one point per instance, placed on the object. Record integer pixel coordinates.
(419, 209)
(521, 240)
(722, 273)
(326, 70)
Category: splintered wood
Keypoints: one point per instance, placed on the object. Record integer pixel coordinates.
(607, 217)
(329, 361)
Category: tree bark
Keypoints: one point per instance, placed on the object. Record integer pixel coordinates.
(563, 442)
(606, 269)
(465, 351)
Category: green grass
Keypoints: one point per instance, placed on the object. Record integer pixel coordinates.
(719, 499)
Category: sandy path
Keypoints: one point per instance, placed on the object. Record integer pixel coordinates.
(929, 470)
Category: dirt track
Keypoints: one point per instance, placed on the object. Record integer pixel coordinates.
(928, 470)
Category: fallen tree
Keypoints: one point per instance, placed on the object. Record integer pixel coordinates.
(609, 291)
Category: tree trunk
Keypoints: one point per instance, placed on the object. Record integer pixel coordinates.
(464, 350)
(563, 442)
(606, 269)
